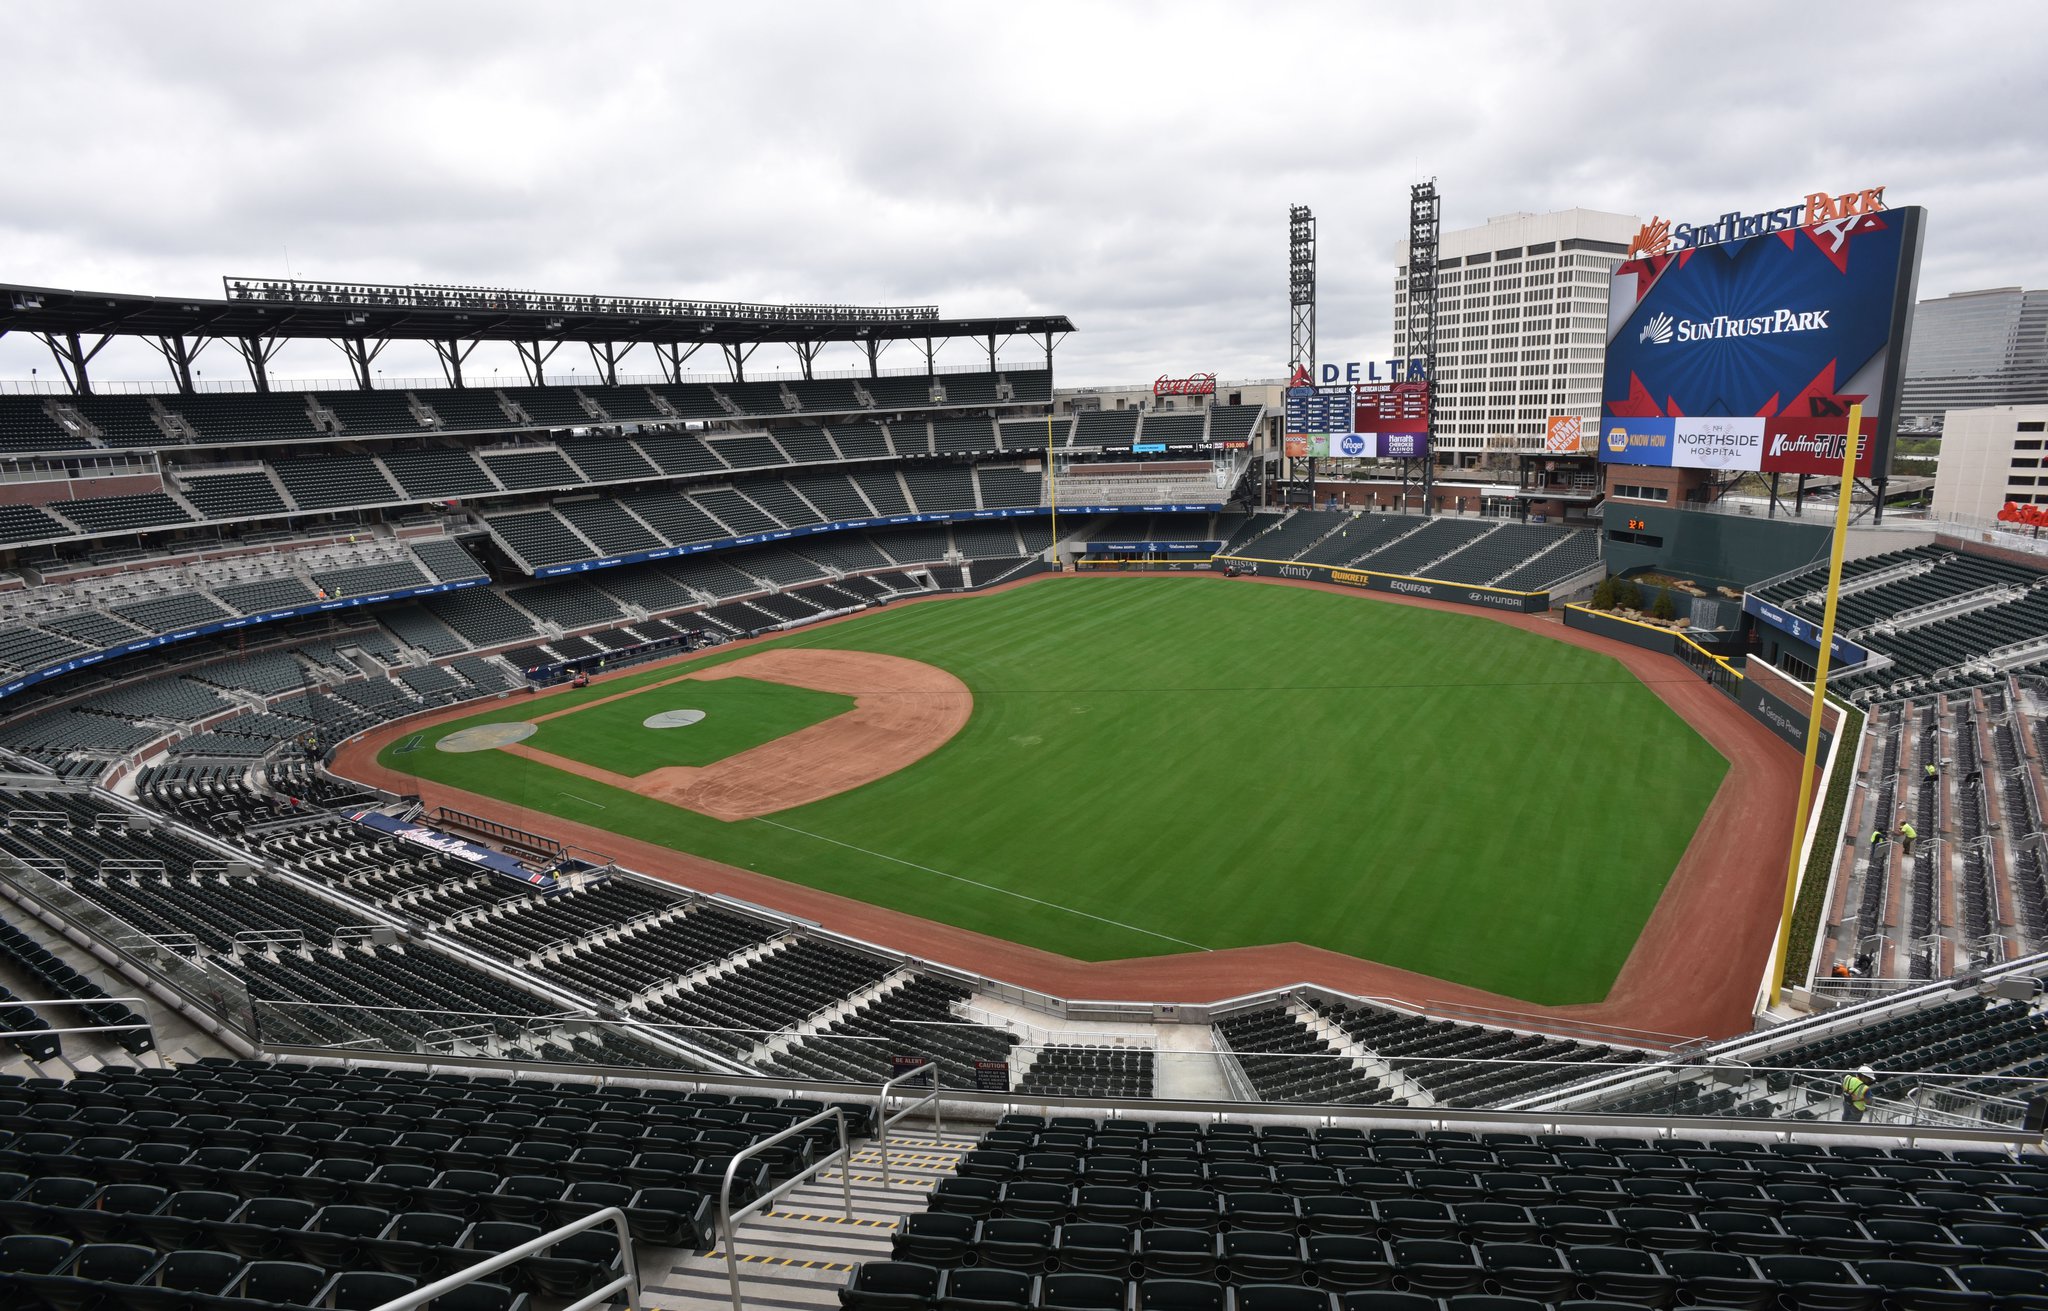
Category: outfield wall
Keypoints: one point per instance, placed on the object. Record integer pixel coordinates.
(1429, 589)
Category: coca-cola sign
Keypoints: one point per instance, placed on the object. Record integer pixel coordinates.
(1802, 445)
(1195, 384)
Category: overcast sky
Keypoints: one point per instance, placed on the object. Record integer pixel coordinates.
(1128, 165)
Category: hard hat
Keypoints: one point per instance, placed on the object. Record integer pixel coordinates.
(1866, 1071)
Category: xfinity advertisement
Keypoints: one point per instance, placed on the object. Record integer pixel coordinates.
(1749, 348)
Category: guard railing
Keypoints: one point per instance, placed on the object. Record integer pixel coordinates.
(729, 1219)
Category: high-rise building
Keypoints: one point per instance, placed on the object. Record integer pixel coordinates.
(1975, 349)
(1988, 457)
(1521, 326)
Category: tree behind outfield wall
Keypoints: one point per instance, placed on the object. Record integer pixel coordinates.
(1664, 608)
(1603, 593)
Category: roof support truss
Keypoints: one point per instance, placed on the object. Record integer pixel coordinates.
(736, 357)
(533, 358)
(361, 355)
(178, 354)
(452, 353)
(1052, 339)
(674, 357)
(605, 357)
(874, 349)
(806, 352)
(257, 353)
(68, 349)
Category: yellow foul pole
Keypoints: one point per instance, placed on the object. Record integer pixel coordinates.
(1820, 693)
(1052, 493)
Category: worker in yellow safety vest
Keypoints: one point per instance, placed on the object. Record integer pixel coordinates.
(1856, 1093)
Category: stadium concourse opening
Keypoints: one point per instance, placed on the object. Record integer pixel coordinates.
(1156, 795)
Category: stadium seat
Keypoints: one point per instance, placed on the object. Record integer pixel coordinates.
(1179, 1295)
(181, 1280)
(1528, 1270)
(1253, 1256)
(890, 1286)
(933, 1238)
(1081, 1292)
(1281, 1297)
(1622, 1274)
(1089, 1248)
(973, 1289)
(1014, 1244)
(1168, 1253)
(1436, 1266)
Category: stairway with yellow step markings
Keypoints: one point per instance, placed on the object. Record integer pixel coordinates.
(796, 1255)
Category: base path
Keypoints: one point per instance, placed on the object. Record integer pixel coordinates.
(1693, 973)
(903, 711)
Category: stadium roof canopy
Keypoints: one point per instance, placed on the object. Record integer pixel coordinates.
(258, 314)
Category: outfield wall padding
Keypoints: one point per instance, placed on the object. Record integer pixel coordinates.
(1661, 640)
(1431, 589)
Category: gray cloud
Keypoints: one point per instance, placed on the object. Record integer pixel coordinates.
(1128, 165)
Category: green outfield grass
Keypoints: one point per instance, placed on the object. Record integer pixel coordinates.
(739, 714)
(1164, 765)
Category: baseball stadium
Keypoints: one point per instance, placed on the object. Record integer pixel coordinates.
(924, 837)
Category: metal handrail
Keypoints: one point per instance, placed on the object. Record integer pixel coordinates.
(728, 1219)
(628, 1281)
(883, 1119)
(135, 1004)
(995, 1104)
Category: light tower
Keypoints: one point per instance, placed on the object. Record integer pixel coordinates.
(1301, 303)
(1425, 224)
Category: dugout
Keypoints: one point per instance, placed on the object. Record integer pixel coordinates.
(547, 675)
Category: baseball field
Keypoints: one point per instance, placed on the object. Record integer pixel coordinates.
(1133, 767)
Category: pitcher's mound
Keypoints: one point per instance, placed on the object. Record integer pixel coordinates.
(672, 719)
(486, 736)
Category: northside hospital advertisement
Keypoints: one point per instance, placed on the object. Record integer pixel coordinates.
(1745, 355)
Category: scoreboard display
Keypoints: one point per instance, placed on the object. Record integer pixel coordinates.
(1361, 420)
(1391, 407)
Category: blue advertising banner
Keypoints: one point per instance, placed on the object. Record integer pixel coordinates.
(1636, 441)
(450, 845)
(1150, 548)
(1846, 652)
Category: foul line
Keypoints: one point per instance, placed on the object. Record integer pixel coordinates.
(585, 800)
(986, 887)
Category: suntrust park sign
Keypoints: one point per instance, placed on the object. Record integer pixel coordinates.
(1660, 238)
(1663, 329)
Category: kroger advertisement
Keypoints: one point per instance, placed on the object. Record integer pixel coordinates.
(1747, 353)
(1357, 445)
